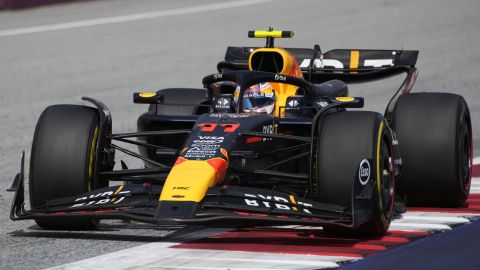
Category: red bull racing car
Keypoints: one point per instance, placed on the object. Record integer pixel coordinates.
(269, 140)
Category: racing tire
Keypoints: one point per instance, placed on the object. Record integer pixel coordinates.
(63, 159)
(434, 132)
(346, 140)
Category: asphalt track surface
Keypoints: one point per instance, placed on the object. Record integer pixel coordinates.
(153, 44)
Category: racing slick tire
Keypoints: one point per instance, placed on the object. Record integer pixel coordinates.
(434, 132)
(62, 160)
(346, 142)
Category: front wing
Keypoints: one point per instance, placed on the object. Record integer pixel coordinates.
(222, 206)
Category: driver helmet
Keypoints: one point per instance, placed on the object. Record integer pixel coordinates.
(259, 98)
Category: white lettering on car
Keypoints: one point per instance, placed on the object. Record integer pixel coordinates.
(364, 172)
(333, 63)
(100, 198)
(251, 202)
(265, 200)
(318, 63)
(279, 77)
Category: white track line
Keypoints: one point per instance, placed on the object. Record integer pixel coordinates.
(475, 190)
(271, 261)
(449, 220)
(397, 225)
(160, 256)
(131, 17)
(476, 160)
(201, 268)
(207, 268)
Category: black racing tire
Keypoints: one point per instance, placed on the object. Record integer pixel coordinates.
(188, 98)
(434, 132)
(345, 140)
(62, 160)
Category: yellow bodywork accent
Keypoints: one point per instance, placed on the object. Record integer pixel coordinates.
(282, 92)
(290, 68)
(354, 58)
(288, 59)
(265, 34)
(292, 199)
(117, 191)
(147, 94)
(345, 99)
(188, 181)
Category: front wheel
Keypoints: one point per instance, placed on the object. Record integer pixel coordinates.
(63, 159)
(356, 146)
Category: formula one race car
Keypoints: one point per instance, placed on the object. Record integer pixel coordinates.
(267, 141)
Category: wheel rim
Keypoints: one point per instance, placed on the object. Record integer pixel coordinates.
(387, 178)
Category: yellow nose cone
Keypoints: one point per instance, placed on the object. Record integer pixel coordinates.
(188, 181)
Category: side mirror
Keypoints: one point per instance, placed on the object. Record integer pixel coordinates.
(349, 102)
(146, 98)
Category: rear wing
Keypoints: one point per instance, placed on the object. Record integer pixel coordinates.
(348, 65)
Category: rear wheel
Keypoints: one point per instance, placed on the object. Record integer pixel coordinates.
(435, 138)
(63, 159)
(356, 146)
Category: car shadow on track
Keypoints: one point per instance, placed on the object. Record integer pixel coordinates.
(130, 232)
